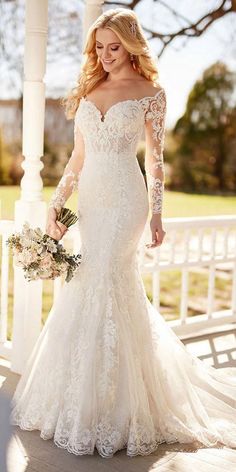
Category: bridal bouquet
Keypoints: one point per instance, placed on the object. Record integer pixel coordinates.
(41, 256)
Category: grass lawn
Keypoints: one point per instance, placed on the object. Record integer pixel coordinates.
(176, 204)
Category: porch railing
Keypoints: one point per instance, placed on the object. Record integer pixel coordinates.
(190, 244)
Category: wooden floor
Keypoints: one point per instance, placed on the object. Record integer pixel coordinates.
(28, 452)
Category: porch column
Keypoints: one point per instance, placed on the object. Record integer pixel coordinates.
(31, 207)
(93, 9)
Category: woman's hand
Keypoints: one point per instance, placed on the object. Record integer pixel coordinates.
(157, 231)
(54, 228)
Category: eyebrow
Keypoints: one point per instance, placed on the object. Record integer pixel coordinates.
(108, 43)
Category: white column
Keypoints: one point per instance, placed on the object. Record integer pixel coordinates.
(30, 207)
(93, 9)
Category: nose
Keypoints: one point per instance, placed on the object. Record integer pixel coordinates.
(106, 54)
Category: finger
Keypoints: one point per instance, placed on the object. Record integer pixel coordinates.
(51, 224)
(156, 240)
(160, 235)
(159, 239)
(55, 233)
(59, 231)
(154, 235)
(62, 227)
(152, 244)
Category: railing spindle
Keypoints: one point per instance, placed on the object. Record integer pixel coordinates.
(4, 289)
(211, 278)
(185, 279)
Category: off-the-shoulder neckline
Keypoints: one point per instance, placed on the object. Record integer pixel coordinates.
(135, 100)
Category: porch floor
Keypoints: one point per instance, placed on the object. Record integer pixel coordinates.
(28, 452)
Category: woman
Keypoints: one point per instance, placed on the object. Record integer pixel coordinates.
(107, 371)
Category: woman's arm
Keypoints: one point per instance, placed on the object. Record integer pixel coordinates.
(154, 166)
(70, 178)
(67, 184)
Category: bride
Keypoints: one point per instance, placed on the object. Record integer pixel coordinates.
(107, 372)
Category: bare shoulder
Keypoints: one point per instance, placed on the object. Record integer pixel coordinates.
(149, 89)
(134, 88)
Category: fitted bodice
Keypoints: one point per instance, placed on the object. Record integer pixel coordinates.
(110, 146)
(118, 131)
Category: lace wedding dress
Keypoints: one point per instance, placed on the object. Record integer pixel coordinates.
(107, 371)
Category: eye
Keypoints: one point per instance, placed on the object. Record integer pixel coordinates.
(112, 49)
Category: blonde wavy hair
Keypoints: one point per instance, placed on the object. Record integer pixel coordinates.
(120, 21)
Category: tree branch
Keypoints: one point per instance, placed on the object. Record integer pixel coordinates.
(192, 30)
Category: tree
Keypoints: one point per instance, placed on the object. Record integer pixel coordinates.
(173, 27)
(63, 46)
(180, 24)
(5, 161)
(205, 133)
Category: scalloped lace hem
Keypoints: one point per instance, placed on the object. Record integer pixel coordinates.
(106, 448)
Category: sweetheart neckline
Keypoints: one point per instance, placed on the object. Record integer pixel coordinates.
(135, 100)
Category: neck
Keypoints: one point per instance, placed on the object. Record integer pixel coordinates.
(124, 72)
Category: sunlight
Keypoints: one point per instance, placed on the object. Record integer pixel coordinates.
(4, 363)
(2, 379)
(17, 460)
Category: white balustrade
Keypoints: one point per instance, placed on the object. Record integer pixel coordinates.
(6, 228)
(190, 244)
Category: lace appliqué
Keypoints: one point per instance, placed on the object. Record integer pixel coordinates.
(67, 185)
(70, 180)
(155, 127)
(156, 190)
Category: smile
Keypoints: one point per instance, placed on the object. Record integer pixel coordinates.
(108, 62)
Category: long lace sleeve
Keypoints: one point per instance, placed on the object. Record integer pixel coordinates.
(154, 166)
(70, 178)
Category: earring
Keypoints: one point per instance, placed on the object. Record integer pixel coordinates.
(131, 57)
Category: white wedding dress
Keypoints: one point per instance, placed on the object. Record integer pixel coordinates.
(107, 371)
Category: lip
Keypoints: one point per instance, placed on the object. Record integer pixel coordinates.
(107, 63)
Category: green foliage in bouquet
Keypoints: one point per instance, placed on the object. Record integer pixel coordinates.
(41, 256)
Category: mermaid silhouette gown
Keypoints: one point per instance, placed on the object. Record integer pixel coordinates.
(107, 372)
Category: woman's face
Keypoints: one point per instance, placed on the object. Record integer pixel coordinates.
(110, 50)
